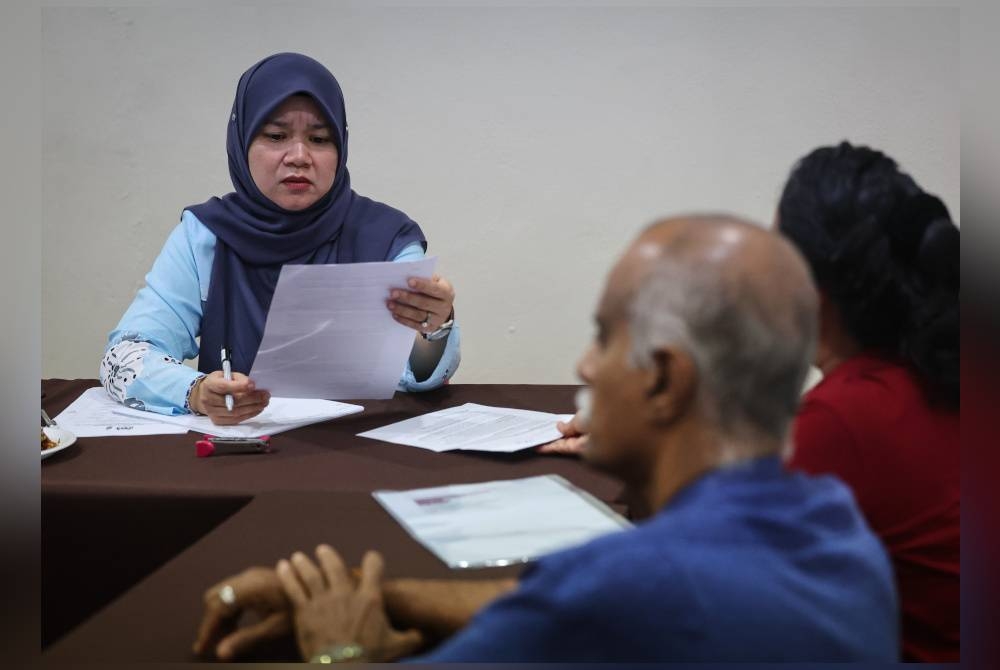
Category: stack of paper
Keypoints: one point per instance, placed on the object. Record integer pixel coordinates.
(473, 427)
(95, 414)
(281, 414)
(498, 523)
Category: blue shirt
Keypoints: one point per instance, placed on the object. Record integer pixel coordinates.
(142, 366)
(748, 563)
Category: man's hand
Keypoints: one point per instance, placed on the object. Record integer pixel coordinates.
(329, 609)
(208, 397)
(574, 439)
(256, 590)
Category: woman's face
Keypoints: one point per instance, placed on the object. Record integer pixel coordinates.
(293, 158)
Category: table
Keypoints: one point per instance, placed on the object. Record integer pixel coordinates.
(117, 510)
(156, 620)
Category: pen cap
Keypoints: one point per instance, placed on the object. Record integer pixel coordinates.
(204, 448)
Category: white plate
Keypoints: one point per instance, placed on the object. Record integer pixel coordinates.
(62, 437)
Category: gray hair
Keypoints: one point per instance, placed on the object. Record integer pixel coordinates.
(752, 358)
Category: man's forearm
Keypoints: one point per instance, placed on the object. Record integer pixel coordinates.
(440, 607)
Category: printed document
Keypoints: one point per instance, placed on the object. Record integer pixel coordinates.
(473, 427)
(498, 523)
(281, 414)
(95, 414)
(330, 335)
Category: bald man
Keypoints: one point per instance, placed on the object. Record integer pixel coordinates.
(705, 332)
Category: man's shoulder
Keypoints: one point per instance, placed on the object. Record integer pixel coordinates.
(723, 535)
(609, 565)
(634, 582)
(703, 572)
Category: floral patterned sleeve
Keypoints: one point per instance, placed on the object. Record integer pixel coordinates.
(141, 366)
(133, 360)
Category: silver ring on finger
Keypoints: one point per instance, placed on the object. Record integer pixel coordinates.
(426, 322)
(227, 594)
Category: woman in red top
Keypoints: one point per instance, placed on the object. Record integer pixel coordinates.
(885, 418)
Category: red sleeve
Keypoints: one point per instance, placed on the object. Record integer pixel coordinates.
(822, 445)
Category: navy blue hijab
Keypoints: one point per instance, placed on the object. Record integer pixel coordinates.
(255, 236)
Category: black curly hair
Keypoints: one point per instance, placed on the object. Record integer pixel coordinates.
(885, 252)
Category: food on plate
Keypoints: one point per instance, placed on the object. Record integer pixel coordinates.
(47, 443)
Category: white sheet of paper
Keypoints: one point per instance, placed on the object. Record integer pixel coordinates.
(473, 427)
(94, 414)
(330, 335)
(498, 523)
(281, 414)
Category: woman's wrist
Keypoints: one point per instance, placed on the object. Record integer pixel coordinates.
(194, 396)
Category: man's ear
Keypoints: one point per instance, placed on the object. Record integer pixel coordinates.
(674, 378)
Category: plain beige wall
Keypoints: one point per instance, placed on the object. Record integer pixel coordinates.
(530, 144)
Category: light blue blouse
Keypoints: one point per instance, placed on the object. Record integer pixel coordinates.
(142, 365)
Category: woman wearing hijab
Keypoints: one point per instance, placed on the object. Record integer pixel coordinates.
(216, 275)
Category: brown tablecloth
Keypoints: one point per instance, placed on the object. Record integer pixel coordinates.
(157, 619)
(115, 509)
